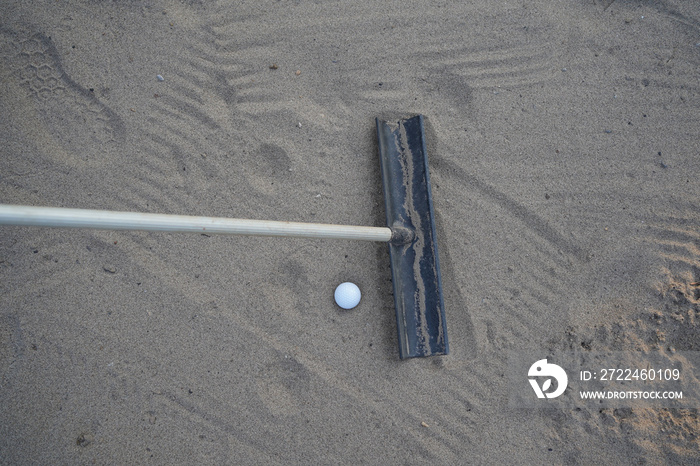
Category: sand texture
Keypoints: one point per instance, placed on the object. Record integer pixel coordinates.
(564, 157)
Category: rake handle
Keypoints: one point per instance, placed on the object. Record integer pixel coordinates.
(109, 220)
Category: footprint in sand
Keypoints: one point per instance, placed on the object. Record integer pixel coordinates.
(72, 114)
(283, 386)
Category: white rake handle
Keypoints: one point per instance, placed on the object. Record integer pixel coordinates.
(108, 220)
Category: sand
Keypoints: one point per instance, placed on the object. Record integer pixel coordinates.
(564, 154)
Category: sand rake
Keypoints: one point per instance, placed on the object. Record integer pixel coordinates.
(410, 233)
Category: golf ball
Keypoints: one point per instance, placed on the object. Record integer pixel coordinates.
(347, 295)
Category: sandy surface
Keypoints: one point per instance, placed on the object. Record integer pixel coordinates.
(564, 155)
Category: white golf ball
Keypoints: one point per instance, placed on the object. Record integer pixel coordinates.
(347, 295)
